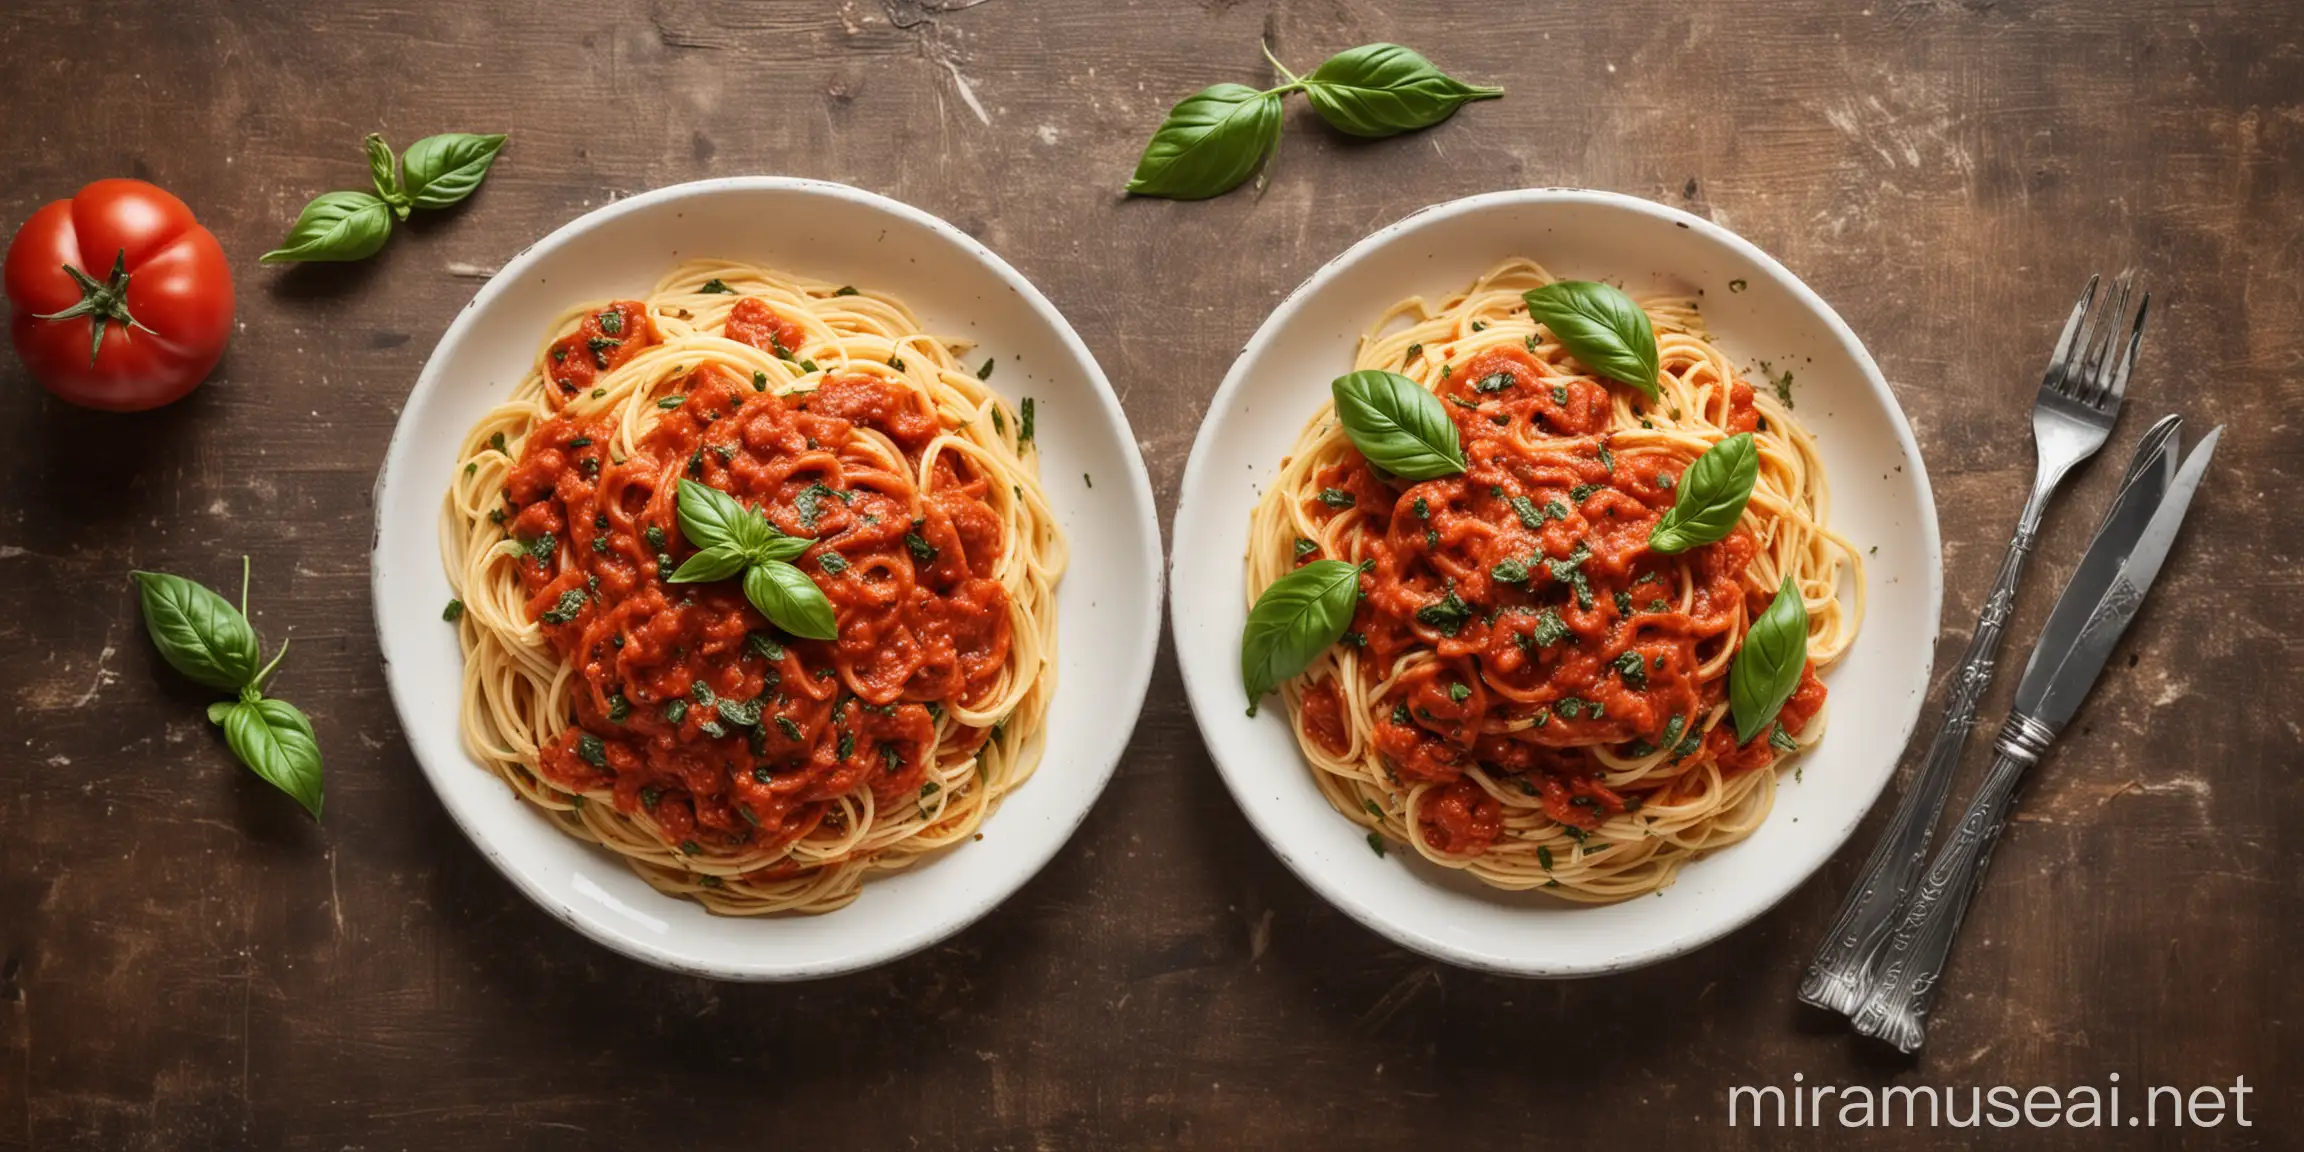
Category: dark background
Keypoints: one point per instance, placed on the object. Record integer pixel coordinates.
(187, 961)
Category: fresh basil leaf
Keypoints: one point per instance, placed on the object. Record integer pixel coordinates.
(335, 226)
(382, 169)
(199, 633)
(275, 741)
(1397, 425)
(710, 518)
(1710, 497)
(790, 600)
(1385, 89)
(1768, 666)
(441, 170)
(1294, 621)
(1211, 141)
(719, 562)
(1602, 327)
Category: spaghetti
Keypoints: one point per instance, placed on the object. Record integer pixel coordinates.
(726, 760)
(1566, 730)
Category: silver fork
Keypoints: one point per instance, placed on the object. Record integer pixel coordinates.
(2078, 402)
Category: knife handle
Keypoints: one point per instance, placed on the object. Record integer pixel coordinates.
(1840, 976)
(1913, 965)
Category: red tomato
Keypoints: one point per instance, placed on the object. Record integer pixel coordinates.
(118, 299)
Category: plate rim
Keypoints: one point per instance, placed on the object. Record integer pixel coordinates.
(1128, 707)
(1196, 476)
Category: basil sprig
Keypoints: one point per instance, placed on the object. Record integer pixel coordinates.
(1710, 496)
(1294, 621)
(1216, 138)
(1397, 424)
(1384, 89)
(732, 539)
(1602, 327)
(201, 635)
(336, 226)
(1768, 666)
(1209, 144)
(436, 172)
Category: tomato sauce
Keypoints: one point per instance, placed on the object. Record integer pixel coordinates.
(1556, 628)
(729, 734)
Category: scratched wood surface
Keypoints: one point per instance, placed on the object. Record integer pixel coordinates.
(187, 962)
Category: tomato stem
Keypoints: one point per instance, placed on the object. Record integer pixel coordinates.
(103, 304)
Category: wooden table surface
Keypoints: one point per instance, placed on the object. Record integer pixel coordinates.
(186, 961)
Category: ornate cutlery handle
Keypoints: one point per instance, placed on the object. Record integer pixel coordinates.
(1897, 1010)
(1839, 977)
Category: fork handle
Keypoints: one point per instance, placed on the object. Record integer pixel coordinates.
(1839, 976)
(1913, 966)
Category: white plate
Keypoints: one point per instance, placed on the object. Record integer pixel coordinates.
(1108, 606)
(1879, 497)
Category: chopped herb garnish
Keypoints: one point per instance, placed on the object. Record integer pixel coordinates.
(1493, 382)
(985, 372)
(810, 502)
(571, 602)
(1510, 571)
(1446, 615)
(759, 381)
(591, 750)
(1633, 669)
(845, 290)
(832, 563)
(611, 322)
(717, 285)
(453, 612)
(922, 550)
(791, 730)
(1414, 350)
(1550, 629)
(1459, 692)
(601, 346)
(1336, 498)
(618, 707)
(675, 710)
(1024, 429)
(1569, 707)
(741, 713)
(670, 402)
(1400, 714)
(1583, 491)
(1544, 857)
(1782, 741)
(1305, 547)
(1376, 843)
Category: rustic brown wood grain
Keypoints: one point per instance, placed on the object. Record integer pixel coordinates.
(188, 962)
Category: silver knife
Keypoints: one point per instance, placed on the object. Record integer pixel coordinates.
(2150, 470)
(2064, 666)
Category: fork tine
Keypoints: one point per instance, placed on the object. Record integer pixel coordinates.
(2127, 361)
(2060, 364)
(2101, 338)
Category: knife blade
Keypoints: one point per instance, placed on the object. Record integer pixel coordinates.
(2149, 471)
(2055, 683)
